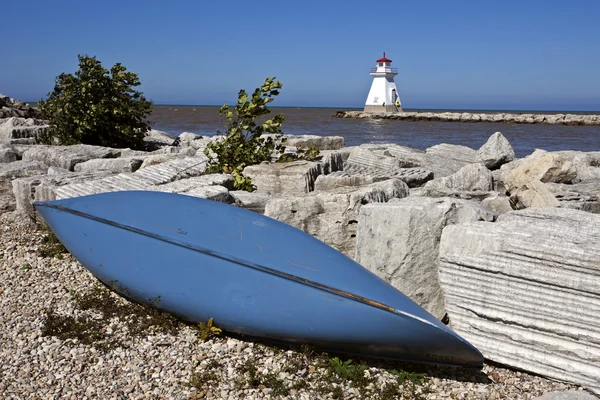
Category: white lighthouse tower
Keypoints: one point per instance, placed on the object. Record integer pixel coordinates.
(383, 96)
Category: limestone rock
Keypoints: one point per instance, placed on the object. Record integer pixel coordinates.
(332, 161)
(587, 164)
(253, 201)
(356, 176)
(567, 395)
(470, 178)
(67, 156)
(187, 185)
(44, 187)
(142, 179)
(399, 240)
(525, 290)
(7, 155)
(332, 217)
(21, 130)
(320, 142)
(114, 165)
(291, 177)
(446, 159)
(155, 139)
(10, 107)
(584, 196)
(11, 171)
(532, 194)
(498, 204)
(407, 156)
(495, 152)
(366, 158)
(541, 166)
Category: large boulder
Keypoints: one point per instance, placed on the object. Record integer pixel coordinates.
(587, 164)
(142, 179)
(495, 152)
(470, 178)
(354, 175)
(399, 240)
(526, 290)
(10, 107)
(44, 187)
(68, 156)
(446, 159)
(532, 194)
(332, 216)
(319, 142)
(291, 177)
(371, 158)
(12, 171)
(7, 155)
(17, 130)
(114, 165)
(541, 166)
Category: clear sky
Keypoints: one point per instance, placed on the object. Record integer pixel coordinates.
(479, 54)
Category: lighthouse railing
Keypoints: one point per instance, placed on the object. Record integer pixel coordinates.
(386, 70)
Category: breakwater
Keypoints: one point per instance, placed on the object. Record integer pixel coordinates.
(514, 118)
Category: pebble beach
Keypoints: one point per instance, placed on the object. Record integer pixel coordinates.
(177, 364)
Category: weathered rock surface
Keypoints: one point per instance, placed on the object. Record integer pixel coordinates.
(495, 152)
(567, 395)
(213, 187)
(156, 139)
(320, 142)
(587, 164)
(583, 196)
(114, 165)
(7, 155)
(332, 217)
(470, 178)
(354, 175)
(293, 177)
(17, 130)
(446, 159)
(541, 166)
(526, 290)
(498, 204)
(10, 107)
(532, 194)
(363, 157)
(399, 240)
(68, 156)
(253, 201)
(44, 187)
(15, 170)
(142, 179)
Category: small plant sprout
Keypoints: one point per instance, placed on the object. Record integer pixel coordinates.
(208, 330)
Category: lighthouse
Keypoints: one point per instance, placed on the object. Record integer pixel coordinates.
(383, 96)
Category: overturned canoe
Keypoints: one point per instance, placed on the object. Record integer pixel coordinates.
(252, 274)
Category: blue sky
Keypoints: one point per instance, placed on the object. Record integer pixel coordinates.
(482, 54)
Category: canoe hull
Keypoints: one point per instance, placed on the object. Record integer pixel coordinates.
(253, 275)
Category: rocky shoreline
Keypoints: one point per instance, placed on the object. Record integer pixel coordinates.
(511, 118)
(506, 249)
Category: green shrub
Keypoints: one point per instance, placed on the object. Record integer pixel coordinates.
(243, 144)
(96, 106)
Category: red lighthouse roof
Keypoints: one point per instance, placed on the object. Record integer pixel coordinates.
(384, 59)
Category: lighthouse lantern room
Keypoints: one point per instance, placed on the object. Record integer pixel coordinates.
(383, 96)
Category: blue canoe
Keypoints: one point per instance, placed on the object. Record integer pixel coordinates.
(252, 274)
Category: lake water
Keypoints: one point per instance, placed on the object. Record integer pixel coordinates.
(420, 135)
